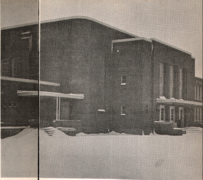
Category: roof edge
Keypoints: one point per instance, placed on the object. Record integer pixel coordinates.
(174, 47)
(131, 39)
(19, 25)
(67, 18)
(87, 18)
(200, 78)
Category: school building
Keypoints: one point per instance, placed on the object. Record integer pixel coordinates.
(98, 76)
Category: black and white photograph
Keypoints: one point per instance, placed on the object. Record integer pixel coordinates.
(101, 89)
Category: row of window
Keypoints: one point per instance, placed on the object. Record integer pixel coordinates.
(162, 115)
(170, 81)
(198, 93)
(198, 114)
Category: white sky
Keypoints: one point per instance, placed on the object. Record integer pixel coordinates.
(177, 22)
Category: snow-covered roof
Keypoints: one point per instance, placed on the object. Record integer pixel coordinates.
(131, 39)
(50, 94)
(5, 78)
(178, 101)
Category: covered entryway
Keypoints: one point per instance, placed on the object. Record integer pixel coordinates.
(178, 111)
(53, 105)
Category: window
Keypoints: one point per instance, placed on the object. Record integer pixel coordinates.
(180, 83)
(195, 92)
(181, 114)
(123, 110)
(123, 80)
(198, 114)
(5, 67)
(161, 77)
(171, 81)
(195, 114)
(172, 113)
(200, 93)
(58, 105)
(162, 113)
(27, 35)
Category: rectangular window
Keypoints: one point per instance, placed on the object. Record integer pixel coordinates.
(58, 105)
(5, 67)
(171, 81)
(180, 83)
(200, 93)
(123, 80)
(195, 114)
(172, 113)
(123, 110)
(200, 114)
(161, 77)
(181, 114)
(195, 92)
(162, 113)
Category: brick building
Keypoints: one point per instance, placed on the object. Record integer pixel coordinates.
(103, 77)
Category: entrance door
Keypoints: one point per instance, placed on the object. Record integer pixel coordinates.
(181, 116)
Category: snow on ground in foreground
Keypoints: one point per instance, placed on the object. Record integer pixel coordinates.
(19, 154)
(113, 155)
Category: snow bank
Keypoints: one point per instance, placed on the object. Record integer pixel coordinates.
(19, 154)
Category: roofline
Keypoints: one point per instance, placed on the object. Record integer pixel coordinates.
(87, 18)
(68, 18)
(179, 101)
(23, 80)
(199, 78)
(131, 39)
(154, 39)
(19, 25)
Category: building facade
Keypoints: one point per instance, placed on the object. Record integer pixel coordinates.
(19, 71)
(103, 77)
(198, 98)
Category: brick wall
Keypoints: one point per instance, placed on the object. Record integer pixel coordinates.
(76, 54)
(133, 60)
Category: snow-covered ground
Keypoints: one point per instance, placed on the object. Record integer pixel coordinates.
(113, 155)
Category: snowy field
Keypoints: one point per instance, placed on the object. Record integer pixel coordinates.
(113, 155)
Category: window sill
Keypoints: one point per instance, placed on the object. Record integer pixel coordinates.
(123, 84)
(122, 114)
(101, 110)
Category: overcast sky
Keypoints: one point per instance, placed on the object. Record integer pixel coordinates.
(177, 22)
